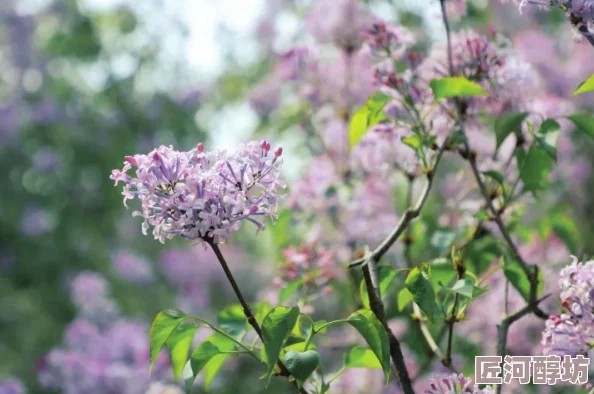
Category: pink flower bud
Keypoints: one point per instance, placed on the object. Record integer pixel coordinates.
(278, 152)
(131, 160)
(156, 156)
(253, 209)
(200, 147)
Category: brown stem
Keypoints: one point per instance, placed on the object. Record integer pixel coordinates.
(377, 307)
(246, 309)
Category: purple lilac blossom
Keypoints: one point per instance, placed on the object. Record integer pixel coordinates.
(132, 267)
(12, 386)
(202, 195)
(572, 332)
(455, 384)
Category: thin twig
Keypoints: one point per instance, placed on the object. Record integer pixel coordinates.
(377, 307)
(410, 214)
(247, 311)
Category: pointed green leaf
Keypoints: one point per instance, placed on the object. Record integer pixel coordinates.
(162, 327)
(302, 364)
(361, 357)
(464, 287)
(207, 356)
(549, 125)
(422, 290)
(404, 298)
(358, 126)
(375, 335)
(535, 167)
(179, 343)
(507, 124)
(495, 175)
(584, 121)
(276, 329)
(232, 320)
(586, 86)
(455, 87)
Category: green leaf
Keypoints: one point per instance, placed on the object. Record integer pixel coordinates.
(288, 290)
(375, 335)
(367, 116)
(232, 320)
(302, 364)
(414, 141)
(517, 277)
(276, 329)
(586, 86)
(464, 287)
(495, 175)
(549, 125)
(566, 229)
(179, 343)
(361, 357)
(319, 324)
(422, 290)
(583, 121)
(386, 277)
(165, 322)
(507, 124)
(208, 357)
(455, 87)
(548, 142)
(358, 126)
(404, 297)
(535, 166)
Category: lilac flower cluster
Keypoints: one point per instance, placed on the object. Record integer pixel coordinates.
(572, 332)
(455, 384)
(202, 195)
(103, 352)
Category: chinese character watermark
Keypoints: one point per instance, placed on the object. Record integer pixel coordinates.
(543, 369)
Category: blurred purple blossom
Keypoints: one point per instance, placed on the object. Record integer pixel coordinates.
(12, 386)
(90, 294)
(132, 267)
(46, 160)
(36, 221)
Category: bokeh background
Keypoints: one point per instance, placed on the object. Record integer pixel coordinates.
(85, 82)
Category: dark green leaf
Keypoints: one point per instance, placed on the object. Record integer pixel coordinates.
(517, 277)
(276, 329)
(535, 166)
(302, 364)
(361, 357)
(455, 87)
(207, 356)
(179, 343)
(583, 121)
(165, 322)
(375, 335)
(422, 290)
(495, 175)
(548, 126)
(232, 320)
(507, 124)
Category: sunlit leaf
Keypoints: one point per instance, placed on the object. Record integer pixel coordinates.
(585, 87)
(422, 291)
(360, 357)
(276, 329)
(455, 87)
(375, 335)
(179, 343)
(165, 322)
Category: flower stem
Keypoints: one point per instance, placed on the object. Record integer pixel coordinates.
(246, 309)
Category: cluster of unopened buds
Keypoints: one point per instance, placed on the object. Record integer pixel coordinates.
(203, 195)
